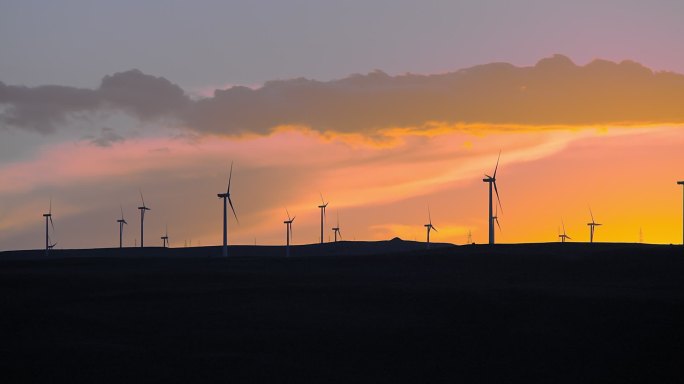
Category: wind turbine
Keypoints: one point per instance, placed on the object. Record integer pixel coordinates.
(491, 218)
(121, 222)
(429, 227)
(142, 209)
(592, 226)
(48, 218)
(682, 184)
(563, 236)
(288, 235)
(165, 238)
(226, 201)
(337, 229)
(322, 207)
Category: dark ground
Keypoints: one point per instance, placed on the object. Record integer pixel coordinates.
(545, 313)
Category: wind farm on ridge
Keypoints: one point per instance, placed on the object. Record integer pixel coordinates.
(493, 218)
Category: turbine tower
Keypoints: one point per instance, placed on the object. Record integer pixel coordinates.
(682, 184)
(226, 201)
(429, 227)
(563, 236)
(288, 234)
(337, 229)
(142, 209)
(491, 218)
(121, 222)
(48, 218)
(592, 226)
(165, 238)
(322, 207)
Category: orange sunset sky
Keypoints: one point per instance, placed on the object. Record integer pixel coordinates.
(599, 126)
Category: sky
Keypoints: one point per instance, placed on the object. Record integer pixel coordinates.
(384, 107)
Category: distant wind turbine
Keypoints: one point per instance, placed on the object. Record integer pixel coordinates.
(337, 228)
(142, 209)
(48, 218)
(429, 227)
(592, 226)
(226, 201)
(563, 236)
(682, 184)
(492, 218)
(165, 238)
(121, 222)
(322, 207)
(288, 234)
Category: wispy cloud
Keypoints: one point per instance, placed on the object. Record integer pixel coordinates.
(180, 177)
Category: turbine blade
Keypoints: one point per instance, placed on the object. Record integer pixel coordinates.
(52, 224)
(50, 210)
(435, 229)
(497, 223)
(498, 200)
(233, 209)
(288, 214)
(592, 215)
(322, 201)
(339, 233)
(568, 237)
(295, 216)
(497, 164)
(563, 226)
(230, 176)
(142, 198)
(122, 217)
(429, 216)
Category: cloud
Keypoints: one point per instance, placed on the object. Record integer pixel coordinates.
(43, 109)
(106, 138)
(554, 92)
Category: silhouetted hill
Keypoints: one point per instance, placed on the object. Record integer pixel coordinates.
(544, 313)
(349, 248)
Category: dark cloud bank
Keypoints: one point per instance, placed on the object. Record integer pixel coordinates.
(554, 91)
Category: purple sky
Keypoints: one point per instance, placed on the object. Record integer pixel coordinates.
(200, 44)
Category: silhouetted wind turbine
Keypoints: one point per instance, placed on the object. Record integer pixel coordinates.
(429, 227)
(491, 218)
(48, 217)
(288, 234)
(592, 226)
(682, 184)
(337, 229)
(563, 236)
(165, 238)
(142, 209)
(121, 222)
(226, 201)
(322, 207)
